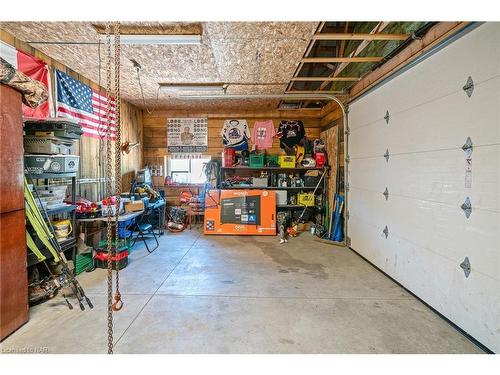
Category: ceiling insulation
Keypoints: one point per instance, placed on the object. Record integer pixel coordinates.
(259, 56)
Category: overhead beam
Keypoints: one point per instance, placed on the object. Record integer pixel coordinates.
(353, 36)
(340, 59)
(313, 92)
(322, 79)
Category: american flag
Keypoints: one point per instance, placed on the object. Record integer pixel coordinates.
(80, 102)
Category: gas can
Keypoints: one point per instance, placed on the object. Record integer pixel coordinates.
(228, 156)
(320, 159)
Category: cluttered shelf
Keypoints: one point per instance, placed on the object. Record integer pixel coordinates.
(62, 209)
(274, 168)
(65, 246)
(273, 187)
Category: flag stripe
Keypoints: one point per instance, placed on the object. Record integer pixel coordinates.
(85, 115)
(63, 112)
(88, 107)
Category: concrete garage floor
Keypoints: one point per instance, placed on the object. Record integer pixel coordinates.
(228, 294)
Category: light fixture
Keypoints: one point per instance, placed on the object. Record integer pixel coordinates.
(158, 39)
(200, 87)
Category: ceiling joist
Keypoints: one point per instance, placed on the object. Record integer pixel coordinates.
(328, 79)
(353, 36)
(313, 92)
(312, 60)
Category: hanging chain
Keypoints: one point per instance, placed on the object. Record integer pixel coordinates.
(109, 187)
(118, 304)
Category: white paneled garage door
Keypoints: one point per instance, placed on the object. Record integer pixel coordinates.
(422, 118)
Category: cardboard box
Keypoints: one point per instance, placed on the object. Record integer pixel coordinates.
(281, 197)
(134, 206)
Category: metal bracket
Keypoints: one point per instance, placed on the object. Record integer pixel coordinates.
(347, 215)
(465, 265)
(347, 131)
(467, 207)
(386, 155)
(386, 232)
(348, 241)
(347, 186)
(468, 147)
(386, 193)
(387, 117)
(347, 159)
(469, 87)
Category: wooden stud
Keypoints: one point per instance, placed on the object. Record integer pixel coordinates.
(353, 36)
(340, 59)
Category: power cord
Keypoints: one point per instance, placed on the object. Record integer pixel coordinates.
(138, 69)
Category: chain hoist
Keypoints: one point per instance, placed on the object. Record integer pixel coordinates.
(118, 304)
(114, 303)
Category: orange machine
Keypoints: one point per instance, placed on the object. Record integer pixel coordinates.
(240, 212)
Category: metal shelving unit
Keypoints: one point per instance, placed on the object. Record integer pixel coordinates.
(69, 243)
(240, 187)
(273, 171)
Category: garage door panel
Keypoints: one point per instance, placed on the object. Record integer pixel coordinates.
(453, 295)
(435, 176)
(370, 205)
(429, 234)
(446, 231)
(440, 177)
(376, 109)
(359, 148)
(427, 225)
(452, 118)
(369, 173)
(368, 240)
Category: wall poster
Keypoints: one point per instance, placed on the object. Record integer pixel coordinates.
(187, 135)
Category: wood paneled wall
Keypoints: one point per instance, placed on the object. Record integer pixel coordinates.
(88, 149)
(155, 128)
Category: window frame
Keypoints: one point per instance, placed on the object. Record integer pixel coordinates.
(187, 172)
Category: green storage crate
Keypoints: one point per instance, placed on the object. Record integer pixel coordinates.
(271, 161)
(256, 160)
(84, 262)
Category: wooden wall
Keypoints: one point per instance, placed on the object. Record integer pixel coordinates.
(88, 149)
(155, 128)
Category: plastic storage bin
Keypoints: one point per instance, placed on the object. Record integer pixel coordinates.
(287, 161)
(256, 160)
(305, 199)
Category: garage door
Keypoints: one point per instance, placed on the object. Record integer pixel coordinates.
(424, 181)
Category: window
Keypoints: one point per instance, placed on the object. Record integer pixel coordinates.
(187, 171)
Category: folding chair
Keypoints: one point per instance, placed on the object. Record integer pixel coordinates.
(143, 226)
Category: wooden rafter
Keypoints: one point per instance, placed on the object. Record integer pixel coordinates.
(341, 59)
(325, 79)
(354, 36)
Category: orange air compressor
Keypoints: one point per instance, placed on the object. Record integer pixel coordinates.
(240, 212)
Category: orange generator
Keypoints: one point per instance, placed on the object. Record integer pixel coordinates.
(240, 212)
